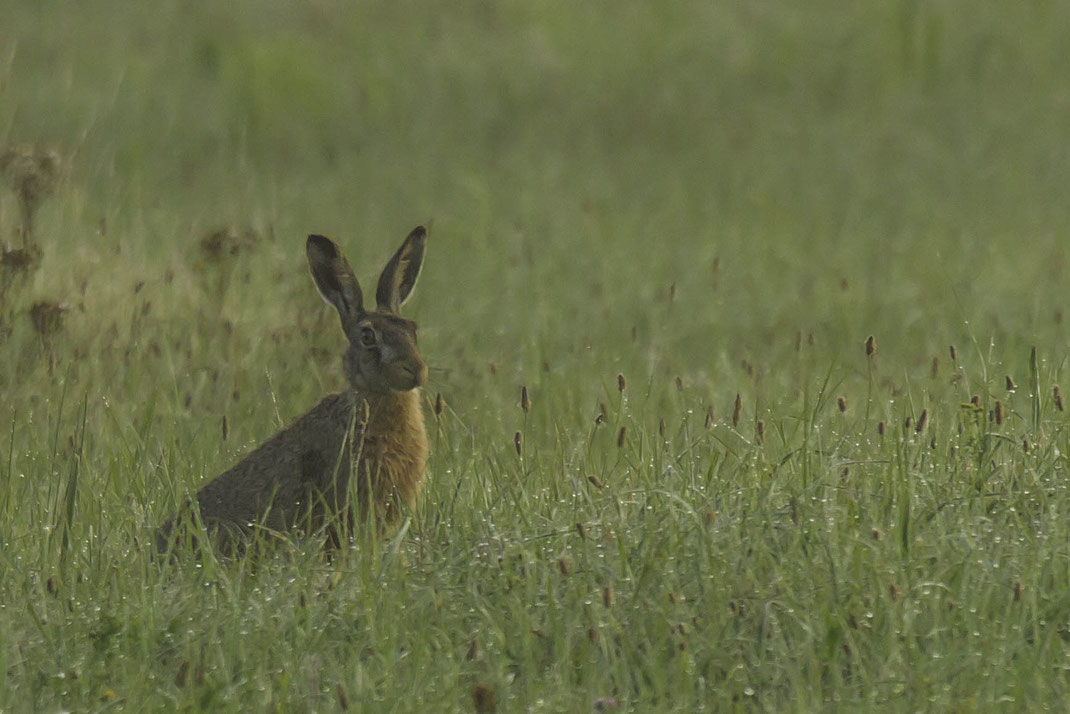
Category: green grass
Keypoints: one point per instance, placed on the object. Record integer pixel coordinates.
(710, 199)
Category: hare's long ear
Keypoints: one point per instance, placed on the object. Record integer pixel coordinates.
(399, 275)
(334, 279)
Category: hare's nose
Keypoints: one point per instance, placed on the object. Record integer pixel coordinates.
(417, 373)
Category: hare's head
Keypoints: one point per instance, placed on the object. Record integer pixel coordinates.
(382, 354)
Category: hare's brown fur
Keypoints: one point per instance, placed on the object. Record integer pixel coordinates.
(301, 478)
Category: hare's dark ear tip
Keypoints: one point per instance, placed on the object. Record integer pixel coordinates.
(322, 244)
(418, 232)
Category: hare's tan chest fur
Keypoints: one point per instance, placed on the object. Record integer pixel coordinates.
(392, 455)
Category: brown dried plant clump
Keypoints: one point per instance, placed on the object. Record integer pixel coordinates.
(33, 173)
(16, 266)
(47, 318)
(220, 244)
(218, 251)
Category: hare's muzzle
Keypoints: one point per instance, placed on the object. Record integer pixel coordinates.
(411, 375)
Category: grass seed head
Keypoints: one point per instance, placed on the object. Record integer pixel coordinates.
(525, 400)
(225, 429)
(841, 402)
(182, 674)
(709, 417)
(1057, 397)
(893, 591)
(871, 346)
(880, 428)
(594, 480)
(761, 431)
(737, 410)
(1011, 386)
(518, 443)
(581, 530)
(622, 436)
(922, 420)
(952, 352)
(934, 371)
(440, 405)
(563, 565)
(998, 412)
(483, 699)
(679, 384)
(621, 383)
(607, 596)
(1017, 590)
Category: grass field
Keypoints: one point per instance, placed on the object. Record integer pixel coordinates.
(707, 199)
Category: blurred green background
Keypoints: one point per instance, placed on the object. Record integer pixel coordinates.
(912, 148)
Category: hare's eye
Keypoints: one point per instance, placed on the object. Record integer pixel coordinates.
(367, 337)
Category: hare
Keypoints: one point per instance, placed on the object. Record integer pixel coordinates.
(300, 478)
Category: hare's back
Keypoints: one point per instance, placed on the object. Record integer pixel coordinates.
(278, 478)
